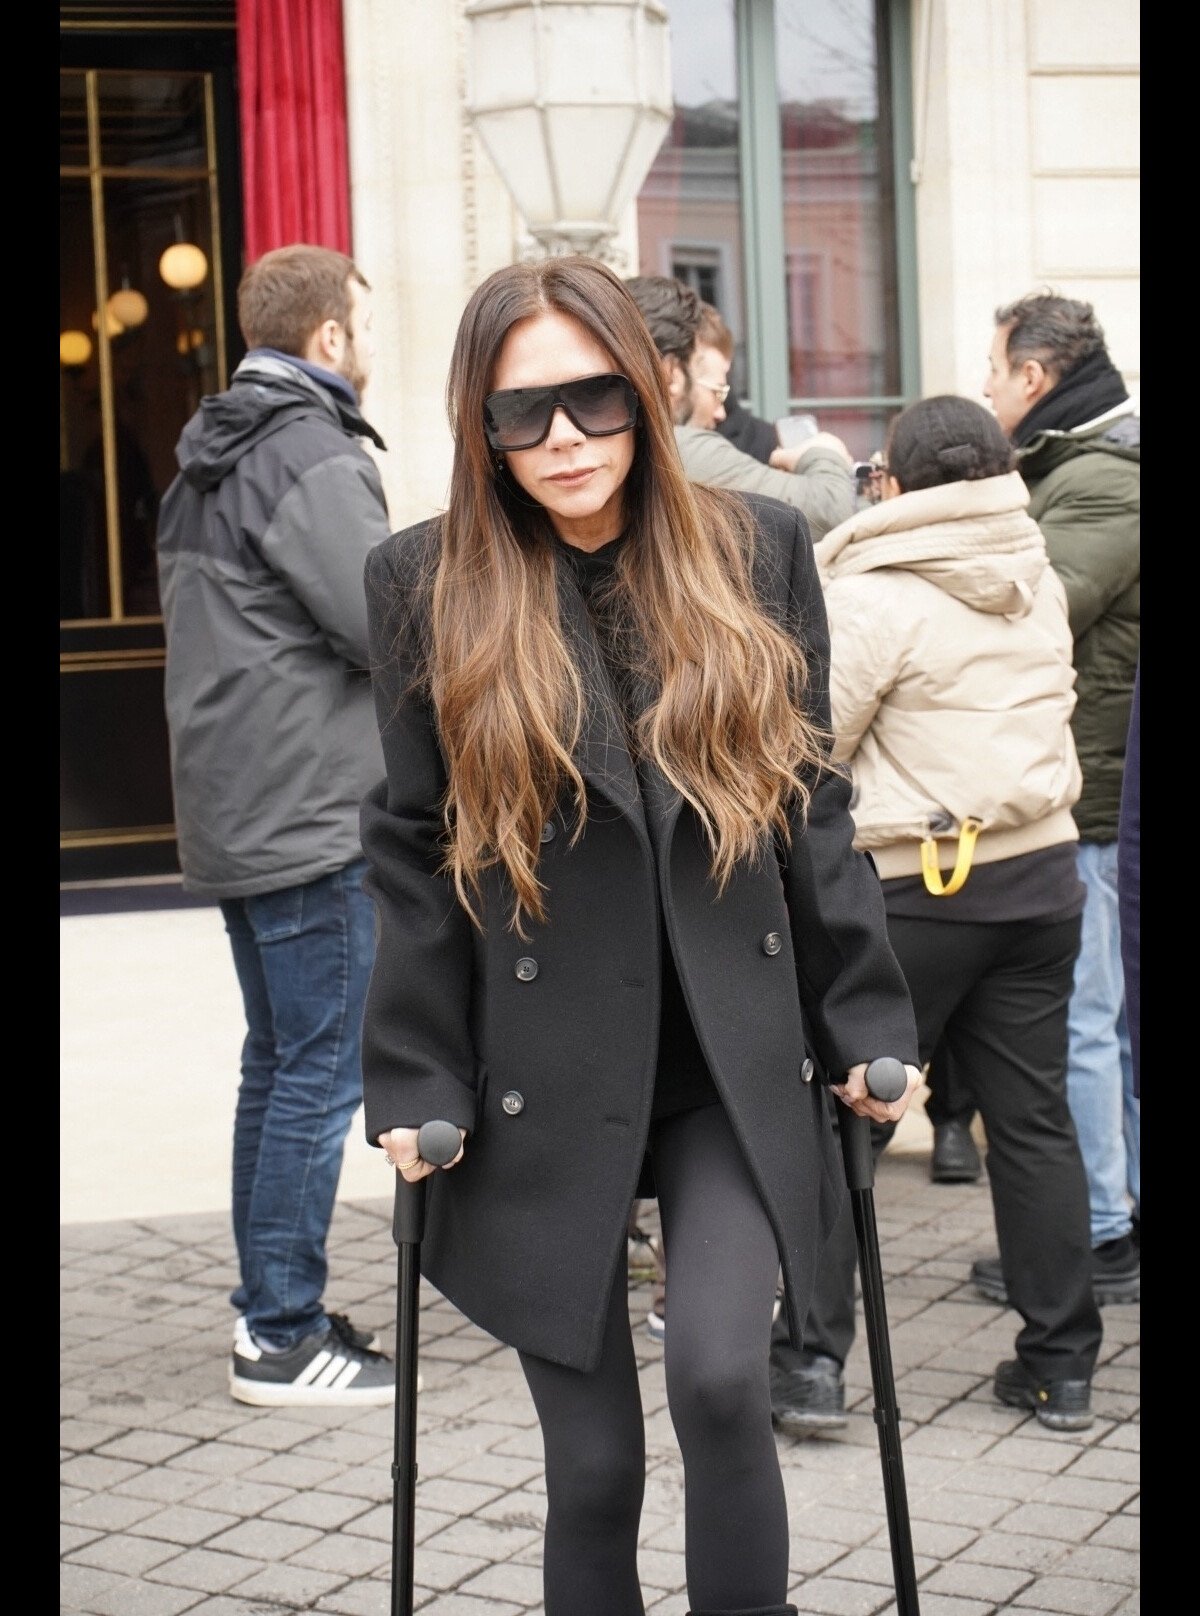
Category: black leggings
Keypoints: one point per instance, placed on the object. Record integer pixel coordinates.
(722, 1265)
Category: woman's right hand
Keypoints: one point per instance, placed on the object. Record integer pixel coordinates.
(400, 1147)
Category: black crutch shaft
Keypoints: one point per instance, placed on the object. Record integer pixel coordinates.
(886, 1080)
(437, 1143)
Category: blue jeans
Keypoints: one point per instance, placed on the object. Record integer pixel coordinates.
(1107, 1113)
(303, 957)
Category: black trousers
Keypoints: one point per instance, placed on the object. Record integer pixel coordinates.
(992, 1000)
(722, 1262)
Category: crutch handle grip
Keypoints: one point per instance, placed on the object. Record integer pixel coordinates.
(438, 1143)
(886, 1079)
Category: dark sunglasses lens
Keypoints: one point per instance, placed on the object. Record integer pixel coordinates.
(519, 418)
(600, 404)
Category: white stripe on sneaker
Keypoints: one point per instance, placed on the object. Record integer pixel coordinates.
(347, 1377)
(313, 1370)
(333, 1370)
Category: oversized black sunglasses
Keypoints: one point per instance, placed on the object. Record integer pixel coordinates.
(520, 417)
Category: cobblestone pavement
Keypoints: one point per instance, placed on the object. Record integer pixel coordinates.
(175, 1498)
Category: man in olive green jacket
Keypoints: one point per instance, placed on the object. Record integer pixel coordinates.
(1057, 394)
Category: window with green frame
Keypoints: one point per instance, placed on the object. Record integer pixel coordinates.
(781, 195)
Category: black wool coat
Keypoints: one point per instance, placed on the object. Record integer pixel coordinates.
(545, 1049)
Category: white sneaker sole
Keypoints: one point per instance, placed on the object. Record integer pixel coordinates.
(264, 1394)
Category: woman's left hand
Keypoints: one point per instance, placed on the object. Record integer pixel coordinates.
(853, 1092)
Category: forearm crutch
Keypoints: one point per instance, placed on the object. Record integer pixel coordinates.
(437, 1143)
(886, 1080)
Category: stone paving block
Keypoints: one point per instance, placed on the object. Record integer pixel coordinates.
(458, 1497)
(1087, 1492)
(327, 1511)
(106, 1512)
(93, 1473)
(376, 1522)
(183, 1524)
(372, 1482)
(523, 1443)
(145, 1599)
(940, 1540)
(337, 1551)
(1109, 1464)
(1054, 1520)
(996, 1585)
(347, 1448)
(487, 1540)
(82, 1435)
(662, 1570)
(147, 1447)
(441, 1571)
(79, 1586)
(126, 1554)
(221, 1458)
(875, 1565)
(833, 1596)
(457, 1604)
(520, 1584)
(959, 1507)
(291, 1470)
(232, 1605)
(521, 1509)
(495, 1469)
(294, 1587)
(945, 1605)
(74, 1537)
(1099, 1563)
(236, 1497)
(261, 1539)
(205, 1571)
(1072, 1597)
(164, 1486)
(1121, 1532)
(1016, 1549)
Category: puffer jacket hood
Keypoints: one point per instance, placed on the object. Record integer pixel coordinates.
(951, 683)
(974, 540)
(264, 396)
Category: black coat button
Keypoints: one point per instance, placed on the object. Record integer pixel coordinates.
(772, 943)
(513, 1103)
(548, 831)
(806, 1071)
(526, 969)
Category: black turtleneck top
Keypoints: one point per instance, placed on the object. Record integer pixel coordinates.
(682, 1079)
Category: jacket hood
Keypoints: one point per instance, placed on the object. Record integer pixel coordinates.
(264, 395)
(974, 540)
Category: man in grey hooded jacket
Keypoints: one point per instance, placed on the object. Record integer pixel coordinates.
(262, 540)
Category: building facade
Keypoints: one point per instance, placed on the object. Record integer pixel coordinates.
(856, 184)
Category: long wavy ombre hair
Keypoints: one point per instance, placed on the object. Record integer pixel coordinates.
(727, 727)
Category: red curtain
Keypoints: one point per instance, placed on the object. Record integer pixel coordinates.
(292, 90)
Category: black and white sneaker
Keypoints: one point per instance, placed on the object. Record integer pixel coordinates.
(325, 1369)
(364, 1340)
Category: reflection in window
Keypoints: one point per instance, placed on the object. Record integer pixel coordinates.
(838, 226)
(689, 208)
(127, 390)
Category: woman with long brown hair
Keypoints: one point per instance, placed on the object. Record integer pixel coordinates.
(622, 923)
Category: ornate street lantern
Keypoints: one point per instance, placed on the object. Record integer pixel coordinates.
(572, 101)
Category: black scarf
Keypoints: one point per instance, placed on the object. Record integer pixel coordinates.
(1093, 387)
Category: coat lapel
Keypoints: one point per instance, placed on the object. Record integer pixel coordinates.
(601, 751)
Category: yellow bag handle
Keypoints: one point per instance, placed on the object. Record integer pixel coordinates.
(962, 865)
